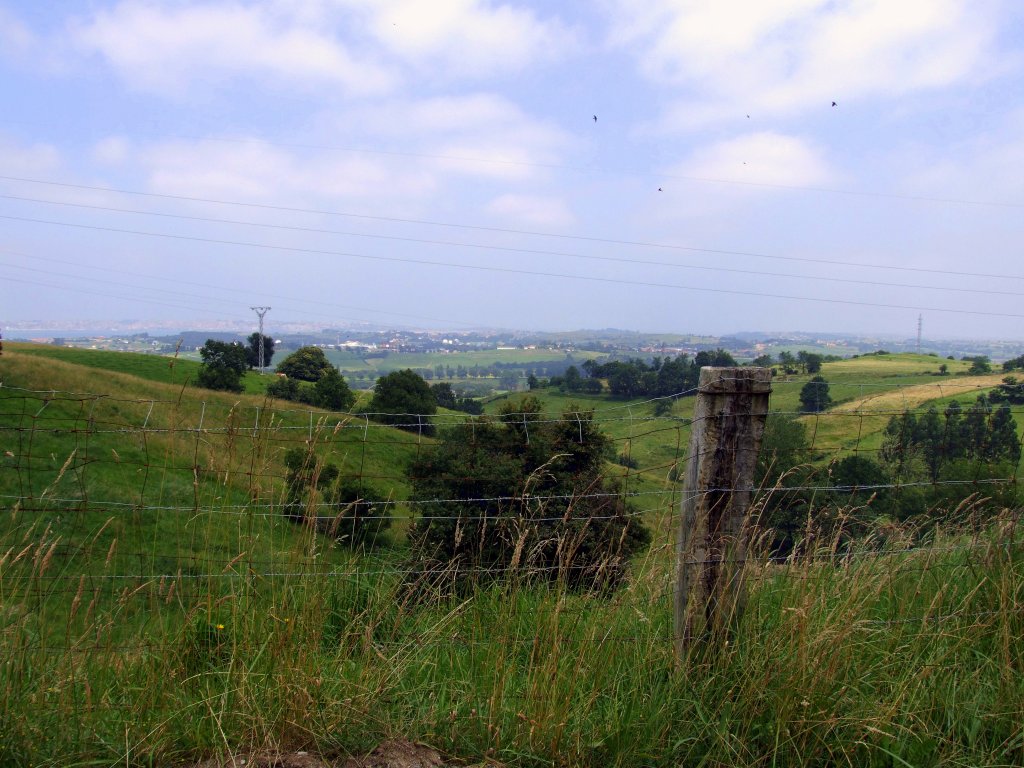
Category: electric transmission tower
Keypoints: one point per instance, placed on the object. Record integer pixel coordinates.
(919, 317)
(260, 312)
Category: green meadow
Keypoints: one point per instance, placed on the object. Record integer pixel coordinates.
(157, 608)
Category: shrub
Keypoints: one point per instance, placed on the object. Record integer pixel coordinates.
(522, 495)
(347, 509)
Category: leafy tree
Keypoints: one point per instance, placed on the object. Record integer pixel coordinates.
(572, 380)
(787, 361)
(526, 495)
(332, 392)
(719, 359)
(252, 351)
(980, 365)
(1010, 391)
(444, 395)
(943, 370)
(1013, 364)
(812, 362)
(305, 364)
(762, 361)
(404, 399)
(1002, 443)
(814, 396)
(532, 382)
(223, 366)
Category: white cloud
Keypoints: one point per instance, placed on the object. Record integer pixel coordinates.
(112, 150)
(36, 160)
(467, 38)
(789, 56)
(169, 48)
(477, 134)
(15, 37)
(256, 171)
(532, 210)
(758, 158)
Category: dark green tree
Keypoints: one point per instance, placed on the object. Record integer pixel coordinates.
(224, 364)
(814, 396)
(1013, 364)
(980, 365)
(332, 391)
(252, 350)
(404, 399)
(444, 395)
(1002, 443)
(305, 364)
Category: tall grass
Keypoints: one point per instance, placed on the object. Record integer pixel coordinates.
(193, 621)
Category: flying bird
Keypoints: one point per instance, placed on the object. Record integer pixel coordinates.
(595, 118)
(660, 189)
(833, 103)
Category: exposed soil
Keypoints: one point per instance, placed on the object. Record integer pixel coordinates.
(394, 753)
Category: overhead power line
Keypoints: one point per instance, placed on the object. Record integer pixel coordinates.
(508, 270)
(510, 249)
(507, 230)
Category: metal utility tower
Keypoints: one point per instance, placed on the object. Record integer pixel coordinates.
(261, 311)
(919, 334)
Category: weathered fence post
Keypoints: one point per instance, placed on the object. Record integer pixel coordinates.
(728, 423)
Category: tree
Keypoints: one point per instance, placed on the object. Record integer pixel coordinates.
(305, 364)
(762, 361)
(787, 361)
(404, 399)
(1013, 364)
(943, 370)
(252, 351)
(444, 395)
(980, 365)
(532, 382)
(814, 396)
(572, 380)
(332, 392)
(523, 494)
(223, 366)
(719, 359)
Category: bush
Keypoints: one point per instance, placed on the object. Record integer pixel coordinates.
(350, 511)
(526, 496)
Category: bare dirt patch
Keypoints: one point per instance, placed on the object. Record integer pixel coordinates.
(394, 753)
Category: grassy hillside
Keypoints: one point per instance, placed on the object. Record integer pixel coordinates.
(157, 609)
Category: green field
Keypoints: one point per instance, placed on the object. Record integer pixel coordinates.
(156, 608)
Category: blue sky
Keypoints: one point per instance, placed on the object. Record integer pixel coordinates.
(437, 163)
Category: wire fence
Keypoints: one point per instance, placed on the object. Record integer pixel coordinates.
(150, 506)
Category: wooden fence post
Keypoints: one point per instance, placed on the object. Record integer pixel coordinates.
(725, 436)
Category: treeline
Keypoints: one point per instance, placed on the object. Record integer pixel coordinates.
(635, 377)
(507, 374)
(927, 461)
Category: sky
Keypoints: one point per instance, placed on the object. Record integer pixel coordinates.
(843, 166)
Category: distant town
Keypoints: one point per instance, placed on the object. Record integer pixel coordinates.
(377, 342)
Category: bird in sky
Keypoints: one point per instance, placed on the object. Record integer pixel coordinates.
(833, 103)
(595, 118)
(660, 189)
